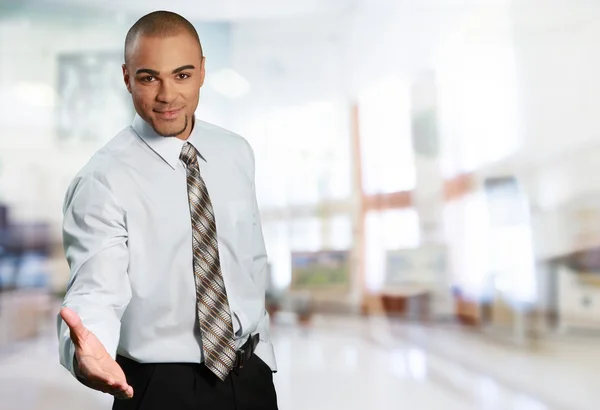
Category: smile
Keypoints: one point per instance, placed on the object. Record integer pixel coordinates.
(169, 114)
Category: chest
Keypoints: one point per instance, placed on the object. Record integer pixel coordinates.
(158, 205)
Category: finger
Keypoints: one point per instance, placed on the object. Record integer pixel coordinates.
(129, 392)
(72, 319)
(118, 385)
(108, 382)
(102, 377)
(121, 390)
(124, 394)
(103, 387)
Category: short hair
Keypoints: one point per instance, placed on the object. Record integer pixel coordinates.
(159, 24)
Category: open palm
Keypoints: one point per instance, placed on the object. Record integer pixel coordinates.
(94, 366)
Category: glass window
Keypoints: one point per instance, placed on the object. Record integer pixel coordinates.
(384, 231)
(385, 132)
(277, 242)
(305, 155)
(466, 226)
(478, 104)
(340, 232)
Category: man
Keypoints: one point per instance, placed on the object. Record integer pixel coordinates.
(165, 305)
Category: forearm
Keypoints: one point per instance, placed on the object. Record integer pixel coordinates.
(95, 241)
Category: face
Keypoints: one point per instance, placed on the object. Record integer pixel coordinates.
(164, 77)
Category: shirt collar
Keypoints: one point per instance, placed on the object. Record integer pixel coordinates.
(168, 148)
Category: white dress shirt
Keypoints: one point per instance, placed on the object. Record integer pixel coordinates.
(128, 240)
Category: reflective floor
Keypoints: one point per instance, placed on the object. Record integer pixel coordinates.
(351, 363)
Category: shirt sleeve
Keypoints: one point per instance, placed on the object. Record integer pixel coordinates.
(95, 243)
(259, 257)
(258, 269)
(259, 273)
(259, 251)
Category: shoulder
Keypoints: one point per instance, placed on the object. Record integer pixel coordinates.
(104, 167)
(225, 140)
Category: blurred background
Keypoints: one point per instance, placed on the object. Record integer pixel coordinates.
(427, 173)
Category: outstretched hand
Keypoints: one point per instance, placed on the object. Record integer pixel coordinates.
(93, 365)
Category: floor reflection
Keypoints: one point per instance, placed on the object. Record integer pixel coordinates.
(340, 363)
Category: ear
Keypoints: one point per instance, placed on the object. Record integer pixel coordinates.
(202, 71)
(126, 78)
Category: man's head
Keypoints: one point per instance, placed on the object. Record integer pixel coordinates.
(163, 71)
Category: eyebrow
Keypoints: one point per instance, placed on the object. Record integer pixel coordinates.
(156, 73)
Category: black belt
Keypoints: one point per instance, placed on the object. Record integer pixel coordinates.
(245, 352)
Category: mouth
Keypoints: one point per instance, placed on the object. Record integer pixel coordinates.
(168, 114)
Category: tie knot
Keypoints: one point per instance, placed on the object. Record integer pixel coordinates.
(189, 155)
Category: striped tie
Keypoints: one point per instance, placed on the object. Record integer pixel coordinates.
(211, 296)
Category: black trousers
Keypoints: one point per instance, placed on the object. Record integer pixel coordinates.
(188, 386)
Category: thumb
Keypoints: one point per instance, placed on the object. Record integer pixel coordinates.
(72, 319)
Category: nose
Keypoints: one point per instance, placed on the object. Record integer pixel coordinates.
(166, 92)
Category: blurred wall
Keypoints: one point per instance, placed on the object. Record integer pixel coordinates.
(517, 93)
(559, 88)
(31, 153)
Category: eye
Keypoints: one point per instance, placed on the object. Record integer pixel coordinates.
(183, 76)
(147, 79)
